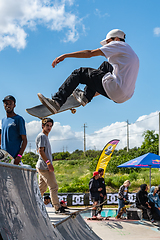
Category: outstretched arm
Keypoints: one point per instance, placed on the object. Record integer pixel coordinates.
(79, 54)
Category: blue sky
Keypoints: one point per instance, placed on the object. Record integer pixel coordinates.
(33, 33)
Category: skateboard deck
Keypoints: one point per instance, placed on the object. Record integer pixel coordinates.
(98, 218)
(6, 157)
(123, 210)
(41, 111)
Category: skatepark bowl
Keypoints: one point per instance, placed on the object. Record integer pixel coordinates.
(23, 215)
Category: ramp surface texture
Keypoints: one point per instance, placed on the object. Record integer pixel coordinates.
(76, 229)
(23, 215)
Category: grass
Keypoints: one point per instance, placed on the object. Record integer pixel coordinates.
(74, 176)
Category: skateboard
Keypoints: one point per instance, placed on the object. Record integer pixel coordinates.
(6, 157)
(98, 218)
(123, 210)
(42, 111)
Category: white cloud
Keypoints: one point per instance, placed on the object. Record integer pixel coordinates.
(64, 138)
(61, 137)
(100, 14)
(18, 16)
(118, 130)
(157, 31)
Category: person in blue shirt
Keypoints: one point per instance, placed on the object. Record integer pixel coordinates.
(154, 199)
(13, 134)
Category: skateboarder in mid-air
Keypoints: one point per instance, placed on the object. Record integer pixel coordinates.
(114, 79)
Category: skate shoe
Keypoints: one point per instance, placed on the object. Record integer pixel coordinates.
(52, 105)
(80, 97)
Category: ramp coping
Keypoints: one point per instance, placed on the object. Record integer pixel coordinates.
(3, 164)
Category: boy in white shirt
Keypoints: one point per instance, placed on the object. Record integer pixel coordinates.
(114, 79)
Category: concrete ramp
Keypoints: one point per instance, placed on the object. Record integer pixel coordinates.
(76, 229)
(23, 215)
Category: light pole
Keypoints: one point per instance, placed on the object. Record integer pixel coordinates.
(84, 151)
(127, 136)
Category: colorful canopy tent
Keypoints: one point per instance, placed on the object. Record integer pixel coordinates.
(149, 160)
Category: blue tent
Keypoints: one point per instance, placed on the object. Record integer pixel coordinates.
(149, 160)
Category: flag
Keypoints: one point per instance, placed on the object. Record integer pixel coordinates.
(106, 154)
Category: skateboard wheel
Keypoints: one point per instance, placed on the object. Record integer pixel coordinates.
(73, 216)
(73, 110)
(98, 209)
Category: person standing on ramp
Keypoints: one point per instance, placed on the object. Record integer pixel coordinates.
(44, 165)
(13, 134)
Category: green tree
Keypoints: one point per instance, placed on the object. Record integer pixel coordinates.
(30, 159)
(77, 154)
(61, 155)
(151, 142)
(93, 153)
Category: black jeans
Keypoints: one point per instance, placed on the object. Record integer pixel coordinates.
(101, 201)
(91, 77)
(147, 209)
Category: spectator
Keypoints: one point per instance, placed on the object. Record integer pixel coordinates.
(44, 165)
(158, 191)
(154, 199)
(142, 202)
(13, 136)
(47, 201)
(95, 190)
(102, 195)
(64, 205)
(123, 195)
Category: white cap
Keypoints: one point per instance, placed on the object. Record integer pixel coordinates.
(112, 34)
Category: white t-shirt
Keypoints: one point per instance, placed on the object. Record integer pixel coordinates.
(125, 191)
(120, 84)
(49, 205)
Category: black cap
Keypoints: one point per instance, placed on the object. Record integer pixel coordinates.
(9, 97)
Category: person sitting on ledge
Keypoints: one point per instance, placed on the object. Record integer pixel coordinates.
(154, 199)
(142, 202)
